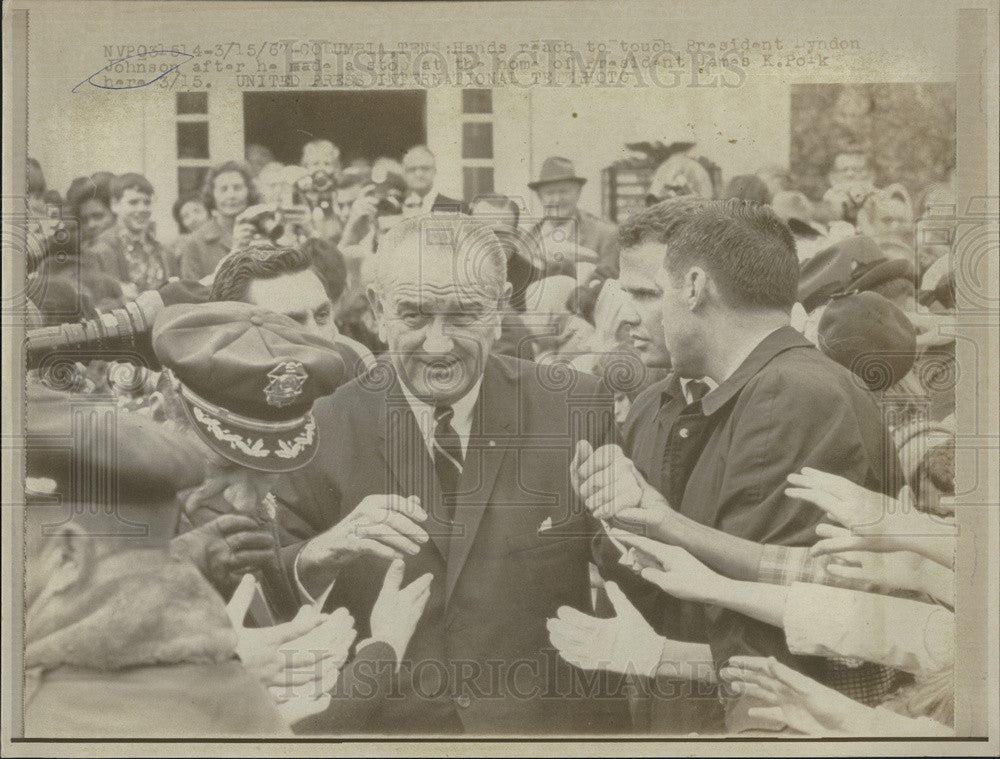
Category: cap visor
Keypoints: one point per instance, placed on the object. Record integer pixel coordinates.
(264, 451)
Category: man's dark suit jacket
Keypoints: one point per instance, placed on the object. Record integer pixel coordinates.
(479, 660)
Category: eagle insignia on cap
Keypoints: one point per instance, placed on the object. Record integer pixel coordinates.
(286, 383)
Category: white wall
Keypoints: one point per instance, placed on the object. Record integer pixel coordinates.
(741, 129)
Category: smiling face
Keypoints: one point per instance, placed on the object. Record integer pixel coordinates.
(133, 209)
(439, 319)
(560, 198)
(231, 193)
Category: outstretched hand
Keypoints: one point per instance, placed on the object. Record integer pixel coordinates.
(624, 643)
(793, 700)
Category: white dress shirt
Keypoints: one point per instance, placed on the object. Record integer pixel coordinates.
(913, 636)
(461, 422)
(427, 202)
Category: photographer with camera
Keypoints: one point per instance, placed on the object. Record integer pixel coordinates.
(316, 186)
(278, 224)
(376, 209)
(852, 180)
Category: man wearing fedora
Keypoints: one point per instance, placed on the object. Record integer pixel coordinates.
(572, 234)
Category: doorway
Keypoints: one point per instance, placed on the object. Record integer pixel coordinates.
(365, 124)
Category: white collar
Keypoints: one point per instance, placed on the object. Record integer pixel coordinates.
(427, 202)
(461, 421)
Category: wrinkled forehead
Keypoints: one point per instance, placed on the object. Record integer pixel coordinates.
(422, 272)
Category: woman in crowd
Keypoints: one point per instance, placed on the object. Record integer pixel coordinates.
(227, 193)
(89, 203)
(189, 212)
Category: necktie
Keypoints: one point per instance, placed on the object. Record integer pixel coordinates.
(448, 459)
(684, 444)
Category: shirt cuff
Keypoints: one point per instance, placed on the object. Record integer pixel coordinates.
(814, 619)
(784, 565)
(303, 593)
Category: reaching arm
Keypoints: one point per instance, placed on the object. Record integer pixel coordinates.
(613, 489)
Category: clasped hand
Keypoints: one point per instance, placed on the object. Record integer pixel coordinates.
(611, 487)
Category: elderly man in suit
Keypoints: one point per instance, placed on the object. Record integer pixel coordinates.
(457, 461)
(569, 236)
(419, 172)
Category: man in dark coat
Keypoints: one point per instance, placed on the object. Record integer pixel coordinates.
(748, 402)
(419, 172)
(457, 461)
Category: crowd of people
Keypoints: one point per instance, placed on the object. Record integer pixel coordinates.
(398, 463)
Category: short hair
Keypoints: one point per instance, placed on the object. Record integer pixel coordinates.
(35, 177)
(850, 150)
(182, 201)
(321, 143)
(208, 187)
(747, 249)
(500, 202)
(328, 264)
(747, 187)
(657, 221)
(419, 149)
(460, 234)
(237, 270)
(129, 181)
(83, 189)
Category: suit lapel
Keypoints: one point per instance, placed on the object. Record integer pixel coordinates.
(407, 461)
(492, 419)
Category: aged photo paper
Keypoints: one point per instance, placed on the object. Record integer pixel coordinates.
(536, 377)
